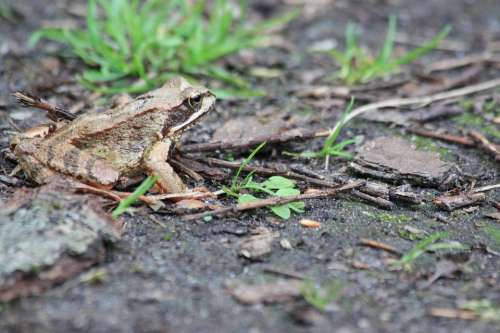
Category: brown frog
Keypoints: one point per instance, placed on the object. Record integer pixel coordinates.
(111, 148)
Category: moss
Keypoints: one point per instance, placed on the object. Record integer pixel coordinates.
(477, 121)
(390, 218)
(427, 144)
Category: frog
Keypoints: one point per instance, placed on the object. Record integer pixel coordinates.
(112, 148)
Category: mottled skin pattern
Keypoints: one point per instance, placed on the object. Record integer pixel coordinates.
(112, 147)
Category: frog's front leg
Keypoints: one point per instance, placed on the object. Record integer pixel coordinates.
(155, 163)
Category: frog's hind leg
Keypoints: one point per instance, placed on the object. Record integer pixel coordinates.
(155, 163)
(72, 161)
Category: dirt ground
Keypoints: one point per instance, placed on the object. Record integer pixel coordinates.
(173, 276)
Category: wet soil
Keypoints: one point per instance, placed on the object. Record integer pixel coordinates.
(172, 276)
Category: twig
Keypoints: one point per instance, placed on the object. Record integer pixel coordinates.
(147, 199)
(453, 313)
(453, 82)
(421, 100)
(379, 245)
(284, 272)
(185, 169)
(453, 63)
(268, 171)
(54, 113)
(461, 140)
(486, 188)
(378, 201)
(292, 135)
(371, 191)
(485, 144)
(274, 201)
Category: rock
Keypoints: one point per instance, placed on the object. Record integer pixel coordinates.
(48, 235)
(256, 246)
(285, 244)
(395, 160)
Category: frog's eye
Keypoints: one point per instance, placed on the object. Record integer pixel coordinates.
(194, 101)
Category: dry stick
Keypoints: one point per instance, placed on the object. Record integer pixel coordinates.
(486, 188)
(53, 112)
(369, 192)
(295, 134)
(274, 201)
(461, 140)
(147, 199)
(485, 144)
(379, 245)
(421, 100)
(453, 313)
(453, 82)
(472, 59)
(268, 171)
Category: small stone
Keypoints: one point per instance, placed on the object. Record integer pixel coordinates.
(285, 244)
(256, 246)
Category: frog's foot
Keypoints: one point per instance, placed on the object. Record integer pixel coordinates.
(154, 160)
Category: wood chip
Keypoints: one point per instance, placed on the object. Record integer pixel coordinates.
(277, 292)
(309, 223)
(379, 245)
(452, 313)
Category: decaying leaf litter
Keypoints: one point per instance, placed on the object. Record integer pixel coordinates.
(188, 268)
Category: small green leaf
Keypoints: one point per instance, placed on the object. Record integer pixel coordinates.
(128, 201)
(297, 206)
(287, 192)
(246, 198)
(282, 211)
(278, 182)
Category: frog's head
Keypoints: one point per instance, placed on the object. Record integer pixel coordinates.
(196, 101)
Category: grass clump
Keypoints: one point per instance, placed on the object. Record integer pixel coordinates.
(330, 145)
(133, 46)
(320, 296)
(359, 66)
(426, 245)
(245, 190)
(131, 199)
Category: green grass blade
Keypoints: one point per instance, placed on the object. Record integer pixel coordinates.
(388, 47)
(131, 199)
(424, 49)
(245, 162)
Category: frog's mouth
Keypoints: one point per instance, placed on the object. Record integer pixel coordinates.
(207, 105)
